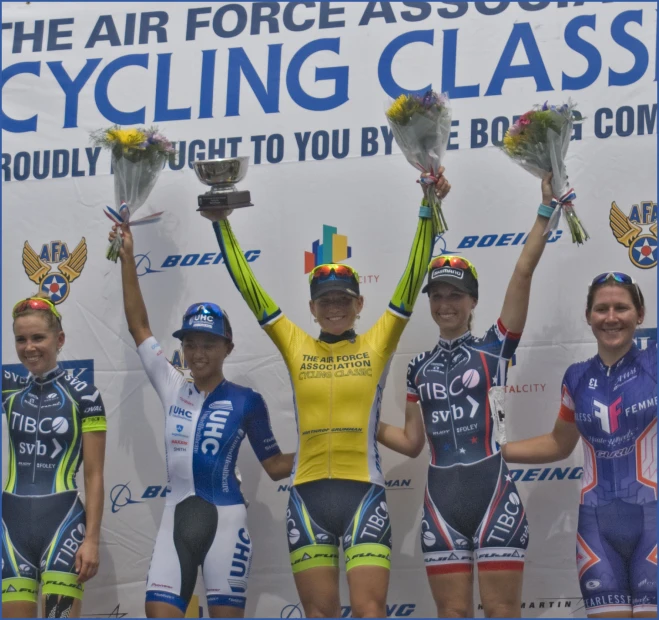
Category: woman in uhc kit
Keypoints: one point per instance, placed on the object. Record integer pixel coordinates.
(337, 493)
(204, 522)
(471, 507)
(55, 422)
(610, 402)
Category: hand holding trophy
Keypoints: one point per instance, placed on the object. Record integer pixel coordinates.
(222, 175)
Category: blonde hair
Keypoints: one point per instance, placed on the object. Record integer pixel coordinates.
(54, 323)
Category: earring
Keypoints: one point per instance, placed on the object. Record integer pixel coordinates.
(315, 320)
(358, 317)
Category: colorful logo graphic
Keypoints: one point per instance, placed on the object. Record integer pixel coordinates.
(638, 232)
(38, 267)
(333, 249)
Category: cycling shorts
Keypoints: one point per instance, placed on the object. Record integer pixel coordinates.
(41, 535)
(325, 513)
(473, 512)
(197, 533)
(617, 557)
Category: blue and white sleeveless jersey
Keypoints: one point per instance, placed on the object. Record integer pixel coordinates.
(203, 432)
(615, 410)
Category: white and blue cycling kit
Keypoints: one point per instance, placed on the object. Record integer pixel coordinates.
(204, 522)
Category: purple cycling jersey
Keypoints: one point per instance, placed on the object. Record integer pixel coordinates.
(615, 410)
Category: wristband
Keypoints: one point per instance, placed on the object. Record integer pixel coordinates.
(545, 211)
(425, 212)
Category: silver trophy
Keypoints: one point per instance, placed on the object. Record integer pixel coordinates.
(222, 175)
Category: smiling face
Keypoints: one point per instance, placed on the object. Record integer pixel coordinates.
(205, 355)
(450, 309)
(37, 342)
(614, 319)
(336, 312)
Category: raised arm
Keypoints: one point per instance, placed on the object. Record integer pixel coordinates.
(554, 446)
(134, 307)
(516, 302)
(404, 297)
(408, 440)
(259, 302)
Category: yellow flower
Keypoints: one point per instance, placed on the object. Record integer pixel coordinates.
(398, 109)
(128, 138)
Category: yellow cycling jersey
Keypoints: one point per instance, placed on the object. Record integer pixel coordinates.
(337, 388)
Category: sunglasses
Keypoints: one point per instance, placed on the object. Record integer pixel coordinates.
(457, 262)
(35, 303)
(616, 276)
(323, 272)
(207, 308)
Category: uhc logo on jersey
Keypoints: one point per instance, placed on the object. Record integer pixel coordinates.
(638, 232)
(38, 267)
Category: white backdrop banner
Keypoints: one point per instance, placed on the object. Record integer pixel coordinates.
(301, 87)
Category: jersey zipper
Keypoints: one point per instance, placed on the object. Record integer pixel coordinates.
(329, 422)
(36, 435)
(448, 400)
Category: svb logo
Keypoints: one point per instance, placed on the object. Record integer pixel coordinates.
(38, 267)
(638, 232)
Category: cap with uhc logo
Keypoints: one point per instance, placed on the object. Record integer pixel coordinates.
(207, 318)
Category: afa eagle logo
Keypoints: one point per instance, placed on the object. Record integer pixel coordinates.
(638, 232)
(38, 267)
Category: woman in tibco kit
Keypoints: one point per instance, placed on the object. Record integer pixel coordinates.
(55, 422)
(205, 519)
(471, 509)
(610, 402)
(337, 493)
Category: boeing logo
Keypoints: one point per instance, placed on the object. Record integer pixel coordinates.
(143, 261)
(143, 265)
(120, 496)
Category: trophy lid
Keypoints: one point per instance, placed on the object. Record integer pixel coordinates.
(226, 171)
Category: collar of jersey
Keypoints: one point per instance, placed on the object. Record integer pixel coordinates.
(332, 339)
(455, 343)
(627, 357)
(51, 375)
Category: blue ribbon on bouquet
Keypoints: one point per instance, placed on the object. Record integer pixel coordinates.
(565, 201)
(123, 216)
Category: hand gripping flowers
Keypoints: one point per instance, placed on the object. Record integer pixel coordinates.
(421, 127)
(538, 142)
(138, 156)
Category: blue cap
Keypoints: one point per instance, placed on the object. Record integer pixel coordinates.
(206, 318)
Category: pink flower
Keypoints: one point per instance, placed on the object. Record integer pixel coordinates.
(515, 130)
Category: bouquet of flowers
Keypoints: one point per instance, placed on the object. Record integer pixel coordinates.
(138, 156)
(422, 127)
(538, 142)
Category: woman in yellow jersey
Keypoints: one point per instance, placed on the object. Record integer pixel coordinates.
(337, 494)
